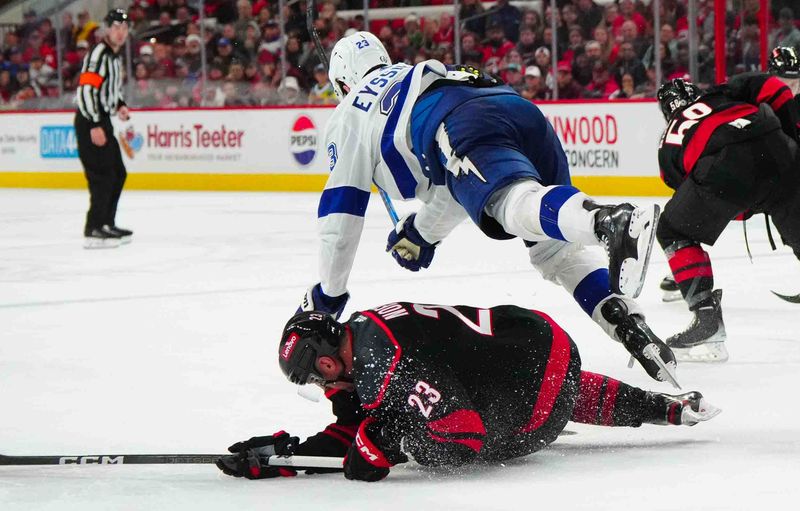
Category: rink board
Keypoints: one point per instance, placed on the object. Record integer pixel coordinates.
(611, 148)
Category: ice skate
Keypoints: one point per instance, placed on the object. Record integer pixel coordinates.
(704, 338)
(670, 290)
(627, 232)
(652, 353)
(686, 409)
(101, 238)
(125, 235)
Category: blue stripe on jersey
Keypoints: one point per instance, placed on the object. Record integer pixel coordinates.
(344, 199)
(550, 207)
(402, 175)
(592, 290)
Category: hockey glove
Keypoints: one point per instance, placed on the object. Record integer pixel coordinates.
(408, 247)
(476, 77)
(316, 300)
(246, 460)
(367, 459)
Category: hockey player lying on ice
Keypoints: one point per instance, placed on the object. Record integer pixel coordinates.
(470, 147)
(448, 385)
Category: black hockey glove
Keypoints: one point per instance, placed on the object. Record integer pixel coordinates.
(367, 458)
(246, 460)
(316, 300)
(408, 247)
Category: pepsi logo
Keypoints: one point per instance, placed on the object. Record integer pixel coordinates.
(303, 140)
(288, 348)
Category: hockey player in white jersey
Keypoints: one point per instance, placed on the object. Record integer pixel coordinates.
(468, 146)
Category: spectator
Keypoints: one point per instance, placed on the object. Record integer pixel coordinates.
(532, 20)
(609, 47)
(86, 27)
(670, 46)
(575, 44)
(513, 77)
(628, 62)
(271, 39)
(412, 31)
(42, 75)
(630, 34)
(470, 15)
(30, 22)
(787, 33)
(7, 86)
(534, 89)
(589, 16)
(627, 12)
(508, 17)
(542, 59)
(649, 88)
(495, 47)
(627, 90)
(193, 56)
(527, 43)
(24, 80)
(562, 33)
(322, 91)
(252, 40)
(290, 93)
(602, 86)
(444, 36)
(245, 10)
(224, 54)
(567, 88)
(67, 31)
(582, 69)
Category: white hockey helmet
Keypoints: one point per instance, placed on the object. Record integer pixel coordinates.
(352, 58)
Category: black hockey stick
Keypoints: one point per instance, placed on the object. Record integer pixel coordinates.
(311, 11)
(296, 462)
(788, 298)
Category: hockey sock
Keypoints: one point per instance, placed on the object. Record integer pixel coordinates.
(692, 270)
(536, 213)
(605, 401)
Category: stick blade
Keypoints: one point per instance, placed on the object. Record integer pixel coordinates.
(788, 298)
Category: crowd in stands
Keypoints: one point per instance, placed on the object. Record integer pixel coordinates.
(604, 51)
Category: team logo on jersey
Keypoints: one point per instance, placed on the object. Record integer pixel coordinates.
(333, 156)
(303, 140)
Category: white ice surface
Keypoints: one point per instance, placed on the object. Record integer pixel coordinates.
(167, 345)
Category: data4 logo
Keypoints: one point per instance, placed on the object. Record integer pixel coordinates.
(303, 140)
(131, 141)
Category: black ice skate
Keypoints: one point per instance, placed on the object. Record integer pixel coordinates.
(101, 238)
(125, 235)
(669, 288)
(643, 345)
(685, 409)
(704, 338)
(627, 232)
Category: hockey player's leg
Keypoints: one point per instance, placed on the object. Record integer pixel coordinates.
(679, 234)
(534, 212)
(582, 273)
(608, 402)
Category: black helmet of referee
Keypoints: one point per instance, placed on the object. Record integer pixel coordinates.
(116, 16)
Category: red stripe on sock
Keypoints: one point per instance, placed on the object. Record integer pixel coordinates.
(610, 399)
(585, 410)
(693, 254)
(693, 273)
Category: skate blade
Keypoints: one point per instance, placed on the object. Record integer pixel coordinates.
(667, 370)
(633, 271)
(671, 296)
(95, 243)
(709, 353)
(125, 240)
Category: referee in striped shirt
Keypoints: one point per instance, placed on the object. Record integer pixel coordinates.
(99, 97)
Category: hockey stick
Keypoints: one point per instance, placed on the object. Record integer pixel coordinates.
(311, 8)
(296, 462)
(788, 298)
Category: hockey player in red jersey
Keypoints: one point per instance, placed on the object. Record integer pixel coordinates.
(731, 151)
(448, 385)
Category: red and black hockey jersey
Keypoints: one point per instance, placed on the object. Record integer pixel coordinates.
(757, 88)
(708, 125)
(459, 383)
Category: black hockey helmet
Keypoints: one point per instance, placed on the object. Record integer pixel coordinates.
(783, 62)
(675, 95)
(116, 16)
(306, 337)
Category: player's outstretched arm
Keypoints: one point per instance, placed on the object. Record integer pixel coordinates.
(371, 454)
